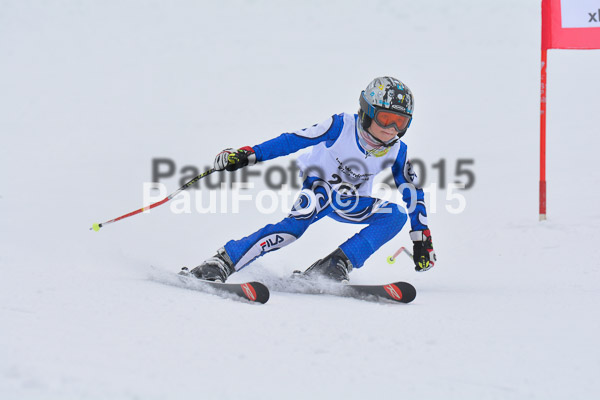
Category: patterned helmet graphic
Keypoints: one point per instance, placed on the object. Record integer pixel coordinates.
(390, 93)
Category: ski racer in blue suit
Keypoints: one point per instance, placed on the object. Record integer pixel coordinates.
(348, 150)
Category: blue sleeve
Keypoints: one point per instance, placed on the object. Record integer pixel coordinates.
(412, 195)
(287, 143)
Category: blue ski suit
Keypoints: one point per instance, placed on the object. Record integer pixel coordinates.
(338, 178)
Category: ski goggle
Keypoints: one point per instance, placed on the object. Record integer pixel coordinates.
(385, 118)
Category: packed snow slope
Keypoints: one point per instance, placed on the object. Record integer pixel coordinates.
(91, 92)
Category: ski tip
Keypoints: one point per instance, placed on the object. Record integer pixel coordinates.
(402, 292)
(256, 292)
(409, 292)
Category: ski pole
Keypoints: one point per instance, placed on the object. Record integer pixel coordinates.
(96, 227)
(392, 259)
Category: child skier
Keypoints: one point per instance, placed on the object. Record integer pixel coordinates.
(349, 150)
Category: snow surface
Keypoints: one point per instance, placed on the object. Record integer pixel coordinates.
(90, 92)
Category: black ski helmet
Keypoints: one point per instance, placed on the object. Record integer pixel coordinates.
(385, 93)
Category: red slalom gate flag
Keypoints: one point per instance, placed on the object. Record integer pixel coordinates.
(566, 24)
(570, 24)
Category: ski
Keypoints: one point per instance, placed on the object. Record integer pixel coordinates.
(255, 292)
(398, 292)
(401, 292)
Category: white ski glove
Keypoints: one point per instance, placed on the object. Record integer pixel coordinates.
(230, 159)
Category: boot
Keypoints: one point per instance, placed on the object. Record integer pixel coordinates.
(336, 266)
(216, 269)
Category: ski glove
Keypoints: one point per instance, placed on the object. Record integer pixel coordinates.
(423, 254)
(231, 159)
